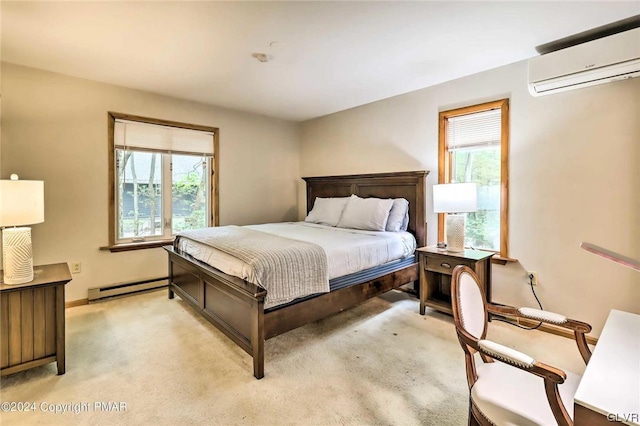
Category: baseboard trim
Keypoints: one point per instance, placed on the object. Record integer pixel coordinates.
(74, 303)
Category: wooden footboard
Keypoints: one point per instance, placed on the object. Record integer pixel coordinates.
(234, 306)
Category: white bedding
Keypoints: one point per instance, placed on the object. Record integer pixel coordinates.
(348, 250)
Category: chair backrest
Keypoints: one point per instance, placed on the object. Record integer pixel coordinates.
(468, 302)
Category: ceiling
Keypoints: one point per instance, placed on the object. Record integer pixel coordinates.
(329, 56)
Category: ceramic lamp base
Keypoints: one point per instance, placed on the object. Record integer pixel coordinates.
(17, 256)
(455, 232)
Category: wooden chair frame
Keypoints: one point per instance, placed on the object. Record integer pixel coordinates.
(552, 376)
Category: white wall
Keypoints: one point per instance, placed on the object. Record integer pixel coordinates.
(54, 128)
(574, 172)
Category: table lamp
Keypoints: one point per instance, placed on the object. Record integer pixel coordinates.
(455, 199)
(21, 203)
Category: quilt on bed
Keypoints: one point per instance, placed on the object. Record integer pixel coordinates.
(285, 267)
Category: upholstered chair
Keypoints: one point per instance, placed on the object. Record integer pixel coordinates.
(517, 389)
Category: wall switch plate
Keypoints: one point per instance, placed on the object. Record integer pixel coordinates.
(534, 279)
(76, 267)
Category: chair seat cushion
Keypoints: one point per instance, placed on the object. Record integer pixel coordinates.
(509, 396)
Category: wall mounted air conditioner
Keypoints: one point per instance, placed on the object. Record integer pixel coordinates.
(612, 58)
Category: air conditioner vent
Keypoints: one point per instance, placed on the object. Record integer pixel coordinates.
(612, 58)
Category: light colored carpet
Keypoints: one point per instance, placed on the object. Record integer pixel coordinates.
(380, 363)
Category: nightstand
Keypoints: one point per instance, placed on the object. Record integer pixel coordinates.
(32, 320)
(436, 267)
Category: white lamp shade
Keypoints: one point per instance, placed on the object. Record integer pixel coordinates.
(21, 202)
(455, 198)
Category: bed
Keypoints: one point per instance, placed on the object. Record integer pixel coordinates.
(237, 306)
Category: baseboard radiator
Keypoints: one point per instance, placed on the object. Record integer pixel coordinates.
(126, 289)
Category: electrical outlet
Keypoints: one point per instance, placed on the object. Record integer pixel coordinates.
(533, 276)
(76, 267)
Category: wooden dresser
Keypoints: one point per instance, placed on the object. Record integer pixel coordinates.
(32, 326)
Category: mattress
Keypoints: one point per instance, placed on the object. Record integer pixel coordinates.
(348, 250)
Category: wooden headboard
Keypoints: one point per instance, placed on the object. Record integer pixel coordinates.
(409, 185)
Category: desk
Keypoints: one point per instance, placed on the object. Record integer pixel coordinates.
(610, 387)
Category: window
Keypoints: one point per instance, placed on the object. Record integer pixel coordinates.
(162, 180)
(474, 147)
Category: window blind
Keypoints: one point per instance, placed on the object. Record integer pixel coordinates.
(157, 138)
(473, 130)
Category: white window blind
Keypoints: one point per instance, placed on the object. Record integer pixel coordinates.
(166, 139)
(473, 130)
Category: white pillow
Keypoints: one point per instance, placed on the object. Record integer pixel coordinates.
(327, 211)
(405, 222)
(399, 212)
(366, 213)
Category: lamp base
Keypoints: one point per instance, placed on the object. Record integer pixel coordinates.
(455, 232)
(17, 256)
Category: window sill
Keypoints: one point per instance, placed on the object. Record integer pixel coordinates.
(499, 260)
(115, 248)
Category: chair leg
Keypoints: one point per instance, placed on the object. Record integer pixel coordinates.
(472, 420)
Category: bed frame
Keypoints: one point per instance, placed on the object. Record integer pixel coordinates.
(236, 307)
